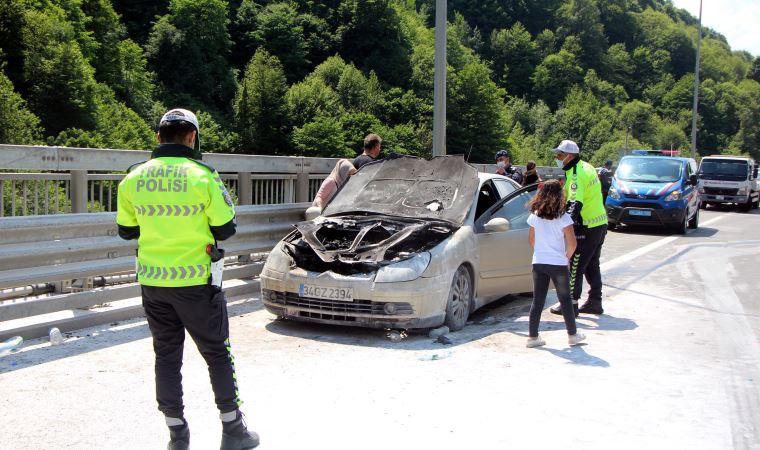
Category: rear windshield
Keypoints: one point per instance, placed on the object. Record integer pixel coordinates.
(649, 170)
(723, 169)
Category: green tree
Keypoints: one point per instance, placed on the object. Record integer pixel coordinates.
(214, 138)
(279, 30)
(324, 136)
(640, 118)
(18, 125)
(188, 50)
(554, 77)
(514, 59)
(477, 116)
(581, 18)
(754, 73)
(261, 108)
(309, 99)
(372, 39)
(670, 136)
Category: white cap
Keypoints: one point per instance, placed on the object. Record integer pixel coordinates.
(178, 114)
(567, 146)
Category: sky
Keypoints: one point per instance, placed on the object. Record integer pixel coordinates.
(737, 20)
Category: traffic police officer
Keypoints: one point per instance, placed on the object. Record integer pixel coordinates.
(584, 204)
(178, 208)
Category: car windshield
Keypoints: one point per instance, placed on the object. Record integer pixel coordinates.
(649, 170)
(724, 169)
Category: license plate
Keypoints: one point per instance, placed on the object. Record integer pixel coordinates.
(326, 293)
(719, 197)
(640, 212)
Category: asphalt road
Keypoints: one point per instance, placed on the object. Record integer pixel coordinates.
(673, 363)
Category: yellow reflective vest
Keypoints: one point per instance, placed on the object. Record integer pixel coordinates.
(582, 184)
(174, 200)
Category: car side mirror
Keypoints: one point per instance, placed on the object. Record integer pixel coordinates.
(497, 224)
(693, 180)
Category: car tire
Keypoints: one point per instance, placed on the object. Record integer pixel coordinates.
(681, 227)
(694, 222)
(745, 207)
(755, 204)
(459, 300)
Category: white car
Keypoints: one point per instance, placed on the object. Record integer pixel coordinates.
(406, 243)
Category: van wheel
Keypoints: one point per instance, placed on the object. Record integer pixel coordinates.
(460, 299)
(681, 227)
(694, 222)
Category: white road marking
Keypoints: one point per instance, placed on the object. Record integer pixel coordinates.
(620, 260)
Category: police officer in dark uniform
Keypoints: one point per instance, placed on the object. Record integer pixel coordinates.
(505, 167)
(178, 208)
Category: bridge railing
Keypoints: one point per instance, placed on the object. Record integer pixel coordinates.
(81, 180)
(66, 253)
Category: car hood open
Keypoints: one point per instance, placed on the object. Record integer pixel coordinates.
(442, 188)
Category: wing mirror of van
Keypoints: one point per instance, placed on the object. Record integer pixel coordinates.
(497, 224)
(693, 180)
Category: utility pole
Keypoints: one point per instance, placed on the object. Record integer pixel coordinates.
(696, 89)
(439, 92)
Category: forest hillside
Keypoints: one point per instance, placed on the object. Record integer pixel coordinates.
(301, 77)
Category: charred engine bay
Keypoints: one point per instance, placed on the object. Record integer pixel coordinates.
(357, 244)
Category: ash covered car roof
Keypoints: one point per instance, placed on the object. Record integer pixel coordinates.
(407, 186)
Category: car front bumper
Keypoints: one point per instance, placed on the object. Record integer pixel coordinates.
(711, 198)
(419, 303)
(644, 214)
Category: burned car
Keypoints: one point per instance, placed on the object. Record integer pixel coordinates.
(406, 243)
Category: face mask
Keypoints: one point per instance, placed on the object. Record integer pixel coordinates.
(501, 164)
(559, 163)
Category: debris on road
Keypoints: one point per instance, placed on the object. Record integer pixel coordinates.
(435, 333)
(436, 356)
(396, 335)
(490, 320)
(10, 344)
(444, 339)
(55, 336)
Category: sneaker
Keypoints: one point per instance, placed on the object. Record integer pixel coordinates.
(592, 308)
(576, 338)
(236, 436)
(557, 309)
(179, 438)
(535, 342)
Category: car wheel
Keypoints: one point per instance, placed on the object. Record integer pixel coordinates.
(755, 204)
(744, 207)
(681, 227)
(460, 299)
(694, 222)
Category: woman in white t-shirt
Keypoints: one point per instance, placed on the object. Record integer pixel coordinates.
(553, 240)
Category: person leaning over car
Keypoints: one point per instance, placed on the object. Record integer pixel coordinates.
(372, 144)
(339, 175)
(505, 167)
(178, 208)
(584, 204)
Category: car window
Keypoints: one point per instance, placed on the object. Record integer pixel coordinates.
(487, 197)
(504, 187)
(515, 210)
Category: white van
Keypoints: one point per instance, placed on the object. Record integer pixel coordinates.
(729, 179)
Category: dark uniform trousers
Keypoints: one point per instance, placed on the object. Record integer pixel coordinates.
(202, 311)
(585, 262)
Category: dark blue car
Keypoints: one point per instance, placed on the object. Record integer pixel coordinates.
(654, 190)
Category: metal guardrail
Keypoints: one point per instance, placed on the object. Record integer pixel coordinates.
(61, 248)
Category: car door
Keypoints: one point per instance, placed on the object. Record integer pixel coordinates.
(505, 256)
(690, 191)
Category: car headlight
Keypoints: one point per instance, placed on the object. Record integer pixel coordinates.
(673, 196)
(406, 270)
(613, 194)
(742, 191)
(279, 260)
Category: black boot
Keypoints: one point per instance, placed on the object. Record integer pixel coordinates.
(592, 307)
(557, 309)
(179, 438)
(235, 435)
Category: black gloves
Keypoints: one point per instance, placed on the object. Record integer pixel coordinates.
(574, 209)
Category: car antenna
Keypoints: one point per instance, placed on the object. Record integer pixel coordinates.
(469, 152)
